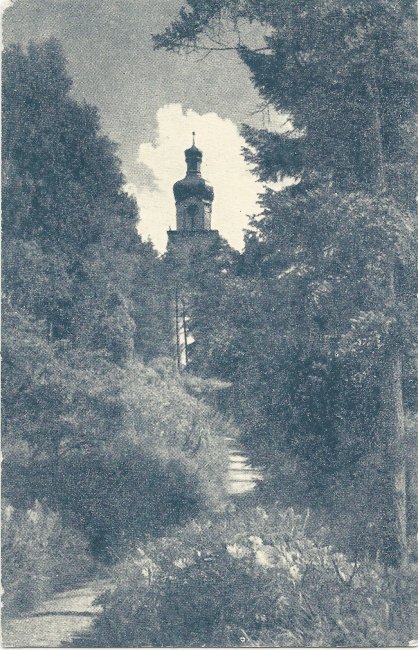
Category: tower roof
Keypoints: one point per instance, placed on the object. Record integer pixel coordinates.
(193, 153)
(193, 184)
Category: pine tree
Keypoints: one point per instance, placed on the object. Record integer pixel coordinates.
(67, 221)
(346, 75)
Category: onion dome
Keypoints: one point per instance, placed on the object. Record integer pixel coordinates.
(193, 159)
(193, 185)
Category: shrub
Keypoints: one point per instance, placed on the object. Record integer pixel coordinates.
(39, 556)
(254, 579)
(171, 422)
(136, 453)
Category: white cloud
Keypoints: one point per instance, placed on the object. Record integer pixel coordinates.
(5, 4)
(236, 189)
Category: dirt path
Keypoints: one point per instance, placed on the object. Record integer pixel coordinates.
(70, 613)
(56, 621)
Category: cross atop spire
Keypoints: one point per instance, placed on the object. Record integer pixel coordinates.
(193, 134)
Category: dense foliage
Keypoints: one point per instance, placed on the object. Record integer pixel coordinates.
(112, 448)
(251, 579)
(39, 555)
(73, 257)
(316, 329)
(133, 451)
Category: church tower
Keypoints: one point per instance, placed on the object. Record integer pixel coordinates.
(188, 247)
(194, 197)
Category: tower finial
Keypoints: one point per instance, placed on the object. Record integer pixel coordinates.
(193, 158)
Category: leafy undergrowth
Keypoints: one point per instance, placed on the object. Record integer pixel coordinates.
(39, 556)
(136, 452)
(251, 578)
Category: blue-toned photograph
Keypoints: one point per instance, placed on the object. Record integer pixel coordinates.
(209, 324)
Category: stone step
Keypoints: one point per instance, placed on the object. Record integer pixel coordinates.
(239, 455)
(241, 488)
(242, 476)
(249, 472)
(238, 463)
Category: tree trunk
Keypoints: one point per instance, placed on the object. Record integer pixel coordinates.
(186, 351)
(392, 531)
(393, 516)
(178, 352)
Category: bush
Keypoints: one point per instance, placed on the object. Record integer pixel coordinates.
(254, 580)
(39, 556)
(137, 453)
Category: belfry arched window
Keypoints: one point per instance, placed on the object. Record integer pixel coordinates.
(192, 216)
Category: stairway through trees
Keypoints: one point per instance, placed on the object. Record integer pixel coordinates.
(242, 476)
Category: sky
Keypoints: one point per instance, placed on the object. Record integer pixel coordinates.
(151, 101)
